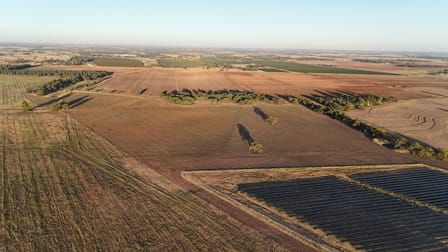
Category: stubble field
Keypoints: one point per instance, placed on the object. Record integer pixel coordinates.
(65, 188)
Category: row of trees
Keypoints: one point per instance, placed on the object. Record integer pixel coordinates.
(14, 67)
(53, 86)
(90, 75)
(444, 71)
(415, 148)
(78, 60)
(187, 96)
(344, 102)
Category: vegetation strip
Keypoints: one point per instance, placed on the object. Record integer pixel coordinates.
(65, 78)
(188, 97)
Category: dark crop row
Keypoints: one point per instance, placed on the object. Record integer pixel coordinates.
(367, 219)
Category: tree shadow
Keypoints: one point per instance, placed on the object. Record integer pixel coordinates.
(79, 101)
(245, 134)
(51, 101)
(261, 113)
(442, 109)
(328, 94)
(143, 91)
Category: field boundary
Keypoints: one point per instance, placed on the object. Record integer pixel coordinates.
(255, 169)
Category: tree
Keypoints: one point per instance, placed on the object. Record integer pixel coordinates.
(256, 148)
(59, 105)
(399, 143)
(26, 106)
(272, 120)
(442, 154)
(425, 152)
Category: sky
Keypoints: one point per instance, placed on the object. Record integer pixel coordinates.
(386, 25)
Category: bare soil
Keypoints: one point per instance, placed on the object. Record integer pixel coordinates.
(425, 119)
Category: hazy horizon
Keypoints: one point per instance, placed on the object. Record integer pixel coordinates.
(401, 26)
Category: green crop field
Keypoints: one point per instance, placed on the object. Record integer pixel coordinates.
(304, 68)
(117, 62)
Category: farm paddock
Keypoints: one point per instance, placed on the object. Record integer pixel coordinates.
(425, 119)
(155, 142)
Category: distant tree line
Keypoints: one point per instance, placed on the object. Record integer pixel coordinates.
(344, 102)
(15, 67)
(78, 60)
(91, 75)
(444, 71)
(377, 61)
(187, 96)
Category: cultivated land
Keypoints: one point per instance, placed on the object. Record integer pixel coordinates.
(153, 81)
(13, 88)
(131, 174)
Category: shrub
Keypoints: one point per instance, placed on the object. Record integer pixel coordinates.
(442, 154)
(26, 106)
(256, 148)
(59, 105)
(400, 143)
(272, 120)
(425, 152)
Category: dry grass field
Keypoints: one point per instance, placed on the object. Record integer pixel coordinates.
(171, 138)
(425, 119)
(65, 188)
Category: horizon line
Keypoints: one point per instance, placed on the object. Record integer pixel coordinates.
(140, 46)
